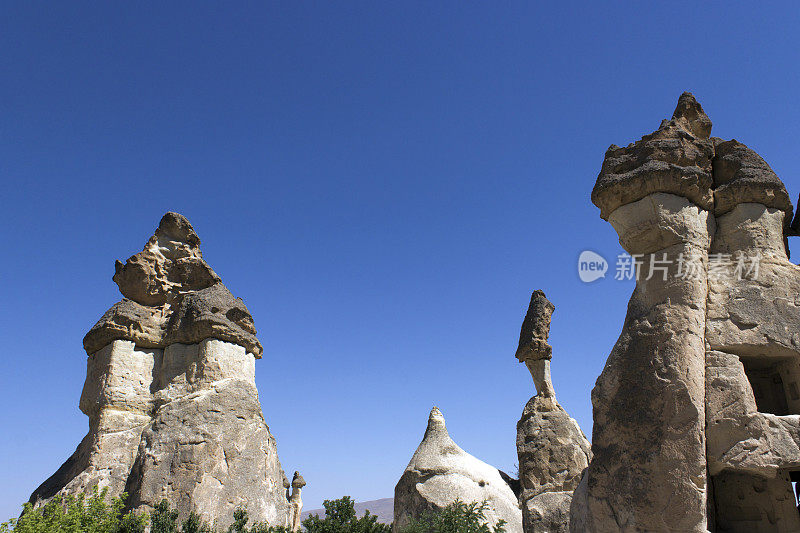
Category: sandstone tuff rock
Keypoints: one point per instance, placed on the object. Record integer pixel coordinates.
(296, 502)
(536, 329)
(440, 473)
(693, 426)
(674, 159)
(170, 394)
(533, 349)
(172, 295)
(742, 176)
(553, 451)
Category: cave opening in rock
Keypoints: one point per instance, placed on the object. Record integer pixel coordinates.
(775, 384)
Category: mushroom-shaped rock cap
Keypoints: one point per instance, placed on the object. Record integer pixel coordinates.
(286, 483)
(742, 176)
(297, 481)
(536, 329)
(172, 296)
(674, 159)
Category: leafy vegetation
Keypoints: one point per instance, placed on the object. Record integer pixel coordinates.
(94, 514)
(77, 514)
(458, 517)
(340, 517)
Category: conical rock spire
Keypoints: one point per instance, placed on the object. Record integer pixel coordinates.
(440, 472)
(171, 396)
(690, 116)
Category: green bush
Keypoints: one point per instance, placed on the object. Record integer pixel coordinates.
(340, 517)
(458, 517)
(77, 514)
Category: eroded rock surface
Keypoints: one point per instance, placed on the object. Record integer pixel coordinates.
(440, 473)
(172, 295)
(170, 393)
(553, 451)
(694, 412)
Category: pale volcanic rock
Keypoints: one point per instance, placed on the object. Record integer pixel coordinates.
(440, 473)
(696, 422)
(648, 470)
(552, 450)
(170, 393)
(548, 512)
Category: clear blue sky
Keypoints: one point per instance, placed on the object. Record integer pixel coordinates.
(384, 183)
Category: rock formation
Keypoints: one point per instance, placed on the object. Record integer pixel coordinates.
(295, 502)
(552, 449)
(170, 393)
(693, 425)
(440, 473)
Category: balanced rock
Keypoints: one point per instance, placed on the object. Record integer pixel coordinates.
(695, 425)
(170, 393)
(553, 451)
(440, 473)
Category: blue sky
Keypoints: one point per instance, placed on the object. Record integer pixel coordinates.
(384, 183)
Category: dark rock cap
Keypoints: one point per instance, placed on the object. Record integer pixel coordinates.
(172, 295)
(741, 176)
(297, 481)
(681, 159)
(674, 159)
(536, 329)
(691, 117)
(176, 227)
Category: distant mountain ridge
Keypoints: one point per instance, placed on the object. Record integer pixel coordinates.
(383, 509)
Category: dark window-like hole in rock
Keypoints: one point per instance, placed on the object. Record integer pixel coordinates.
(767, 382)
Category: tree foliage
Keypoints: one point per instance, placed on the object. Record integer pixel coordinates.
(77, 514)
(340, 517)
(458, 517)
(93, 514)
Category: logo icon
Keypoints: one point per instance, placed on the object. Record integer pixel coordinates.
(591, 266)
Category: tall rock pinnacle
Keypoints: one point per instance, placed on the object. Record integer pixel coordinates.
(533, 349)
(170, 393)
(552, 449)
(695, 411)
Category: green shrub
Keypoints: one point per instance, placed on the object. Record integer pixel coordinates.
(77, 514)
(194, 524)
(340, 517)
(458, 517)
(164, 519)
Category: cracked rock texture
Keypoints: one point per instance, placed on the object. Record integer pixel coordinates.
(695, 413)
(440, 473)
(170, 393)
(172, 295)
(552, 450)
